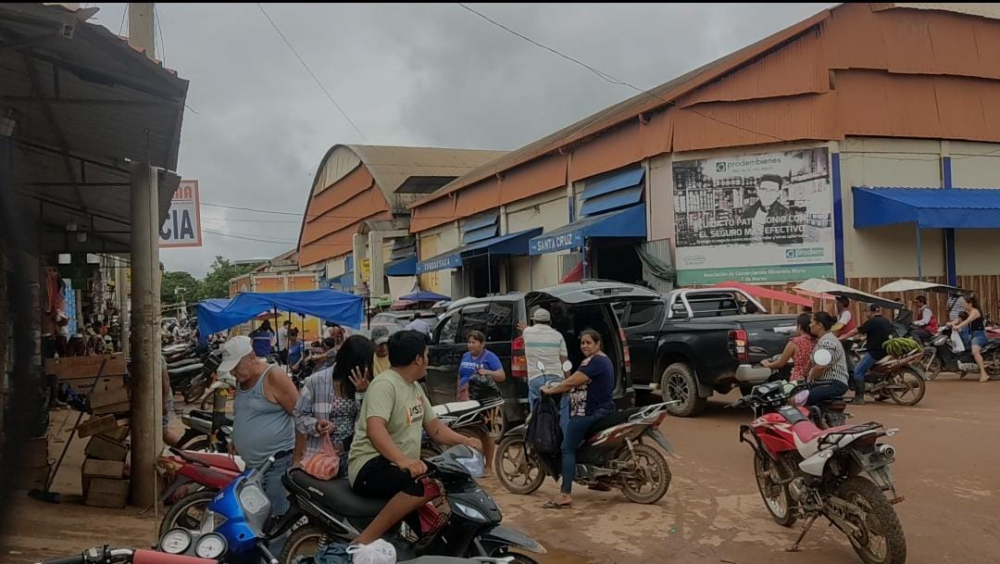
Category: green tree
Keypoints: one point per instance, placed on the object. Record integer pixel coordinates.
(175, 286)
(216, 283)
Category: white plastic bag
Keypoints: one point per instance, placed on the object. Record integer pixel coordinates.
(957, 345)
(378, 552)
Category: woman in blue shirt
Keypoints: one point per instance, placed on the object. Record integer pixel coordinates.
(295, 348)
(483, 362)
(262, 338)
(590, 390)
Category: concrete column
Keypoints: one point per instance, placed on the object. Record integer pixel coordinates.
(140, 27)
(147, 390)
(376, 280)
(359, 255)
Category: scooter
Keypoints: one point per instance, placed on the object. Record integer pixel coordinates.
(941, 358)
(468, 418)
(470, 527)
(194, 479)
(615, 454)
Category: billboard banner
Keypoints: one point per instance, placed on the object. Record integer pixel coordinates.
(182, 227)
(754, 218)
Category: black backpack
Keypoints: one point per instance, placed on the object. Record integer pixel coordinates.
(544, 433)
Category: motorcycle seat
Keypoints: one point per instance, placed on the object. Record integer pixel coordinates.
(835, 404)
(207, 416)
(616, 418)
(455, 407)
(336, 494)
(220, 461)
(190, 369)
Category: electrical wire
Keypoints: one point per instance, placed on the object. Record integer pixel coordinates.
(163, 47)
(608, 77)
(272, 241)
(121, 27)
(311, 73)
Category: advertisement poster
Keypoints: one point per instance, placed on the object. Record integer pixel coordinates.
(754, 218)
(182, 227)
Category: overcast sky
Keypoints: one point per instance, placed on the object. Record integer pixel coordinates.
(406, 74)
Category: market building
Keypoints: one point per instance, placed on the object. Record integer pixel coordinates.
(359, 201)
(861, 144)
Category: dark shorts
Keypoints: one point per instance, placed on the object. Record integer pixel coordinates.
(381, 479)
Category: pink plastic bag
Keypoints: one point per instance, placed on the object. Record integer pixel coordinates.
(325, 464)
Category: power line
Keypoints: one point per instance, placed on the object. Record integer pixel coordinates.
(224, 234)
(163, 47)
(298, 214)
(121, 26)
(606, 76)
(311, 73)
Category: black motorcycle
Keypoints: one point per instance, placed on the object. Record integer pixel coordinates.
(463, 521)
(938, 357)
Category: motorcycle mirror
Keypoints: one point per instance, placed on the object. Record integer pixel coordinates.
(567, 366)
(822, 357)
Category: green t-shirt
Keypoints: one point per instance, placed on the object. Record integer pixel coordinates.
(403, 406)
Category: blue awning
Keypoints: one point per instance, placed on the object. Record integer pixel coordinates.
(612, 201)
(402, 267)
(510, 244)
(218, 314)
(480, 228)
(629, 222)
(618, 181)
(929, 208)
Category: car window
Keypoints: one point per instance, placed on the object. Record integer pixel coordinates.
(448, 329)
(500, 324)
(713, 305)
(643, 313)
(474, 318)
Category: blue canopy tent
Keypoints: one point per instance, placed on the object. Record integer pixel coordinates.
(423, 296)
(329, 305)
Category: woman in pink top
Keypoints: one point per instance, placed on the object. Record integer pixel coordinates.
(799, 349)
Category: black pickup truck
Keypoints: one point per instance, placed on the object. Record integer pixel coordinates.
(692, 343)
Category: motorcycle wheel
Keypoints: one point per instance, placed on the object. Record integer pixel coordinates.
(880, 538)
(654, 470)
(202, 444)
(992, 362)
(907, 388)
(194, 392)
(302, 542)
(187, 512)
(518, 472)
(776, 498)
(933, 367)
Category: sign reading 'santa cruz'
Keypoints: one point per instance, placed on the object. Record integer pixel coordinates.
(182, 227)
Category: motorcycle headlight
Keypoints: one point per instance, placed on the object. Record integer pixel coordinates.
(253, 500)
(469, 511)
(210, 546)
(175, 541)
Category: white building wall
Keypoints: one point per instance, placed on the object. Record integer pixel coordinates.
(432, 243)
(548, 211)
(976, 165)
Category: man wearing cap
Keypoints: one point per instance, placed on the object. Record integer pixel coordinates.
(419, 325)
(263, 425)
(545, 344)
(380, 337)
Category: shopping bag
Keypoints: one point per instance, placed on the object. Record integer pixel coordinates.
(325, 464)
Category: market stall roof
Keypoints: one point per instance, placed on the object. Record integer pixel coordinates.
(928, 208)
(79, 104)
(819, 286)
(424, 296)
(402, 267)
(762, 292)
(629, 222)
(510, 244)
(329, 305)
(918, 285)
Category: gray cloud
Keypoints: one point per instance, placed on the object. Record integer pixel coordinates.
(407, 74)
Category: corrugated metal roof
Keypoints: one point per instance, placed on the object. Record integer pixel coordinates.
(629, 109)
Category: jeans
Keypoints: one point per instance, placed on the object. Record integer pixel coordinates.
(864, 366)
(820, 393)
(273, 487)
(535, 393)
(979, 339)
(573, 437)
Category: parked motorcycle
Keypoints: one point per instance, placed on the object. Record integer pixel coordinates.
(803, 471)
(108, 555)
(615, 454)
(194, 479)
(941, 358)
(470, 418)
(463, 521)
(831, 412)
(206, 431)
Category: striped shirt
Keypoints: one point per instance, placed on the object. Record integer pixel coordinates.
(838, 367)
(956, 306)
(318, 401)
(545, 344)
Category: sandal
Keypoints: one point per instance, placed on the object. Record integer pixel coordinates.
(551, 504)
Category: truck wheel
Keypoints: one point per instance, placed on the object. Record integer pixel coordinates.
(679, 384)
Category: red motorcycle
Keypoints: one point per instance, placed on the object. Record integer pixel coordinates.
(195, 478)
(106, 555)
(808, 472)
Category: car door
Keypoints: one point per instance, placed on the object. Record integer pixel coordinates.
(642, 323)
(444, 358)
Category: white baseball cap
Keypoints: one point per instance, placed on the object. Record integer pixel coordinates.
(233, 351)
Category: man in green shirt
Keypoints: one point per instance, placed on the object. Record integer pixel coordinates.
(385, 455)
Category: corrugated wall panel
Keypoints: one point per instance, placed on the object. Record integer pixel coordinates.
(348, 187)
(337, 243)
(540, 176)
(852, 38)
(363, 204)
(612, 150)
(796, 68)
(478, 198)
(657, 136)
(754, 122)
(432, 214)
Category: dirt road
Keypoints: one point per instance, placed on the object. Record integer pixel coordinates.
(948, 469)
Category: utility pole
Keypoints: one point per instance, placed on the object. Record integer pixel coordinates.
(147, 391)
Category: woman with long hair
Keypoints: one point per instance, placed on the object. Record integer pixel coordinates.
(977, 326)
(330, 400)
(798, 350)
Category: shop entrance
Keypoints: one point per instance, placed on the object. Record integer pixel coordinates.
(615, 261)
(482, 275)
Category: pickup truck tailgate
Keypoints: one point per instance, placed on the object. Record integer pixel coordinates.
(767, 334)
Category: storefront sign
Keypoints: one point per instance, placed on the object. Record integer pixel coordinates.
(555, 243)
(183, 225)
(439, 263)
(754, 218)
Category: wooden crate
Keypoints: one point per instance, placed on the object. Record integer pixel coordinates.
(96, 468)
(104, 448)
(120, 433)
(108, 391)
(76, 367)
(123, 407)
(97, 424)
(106, 492)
